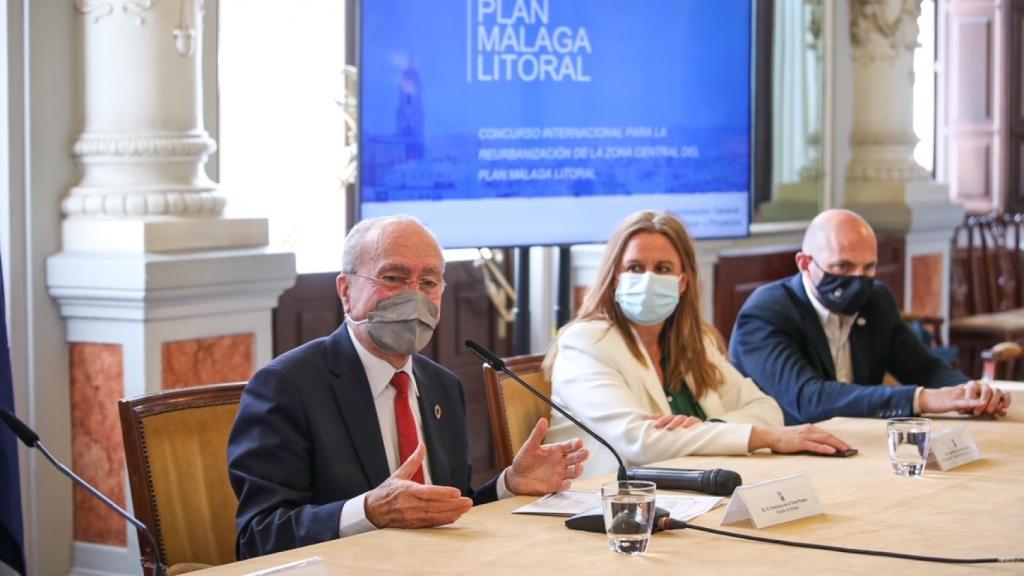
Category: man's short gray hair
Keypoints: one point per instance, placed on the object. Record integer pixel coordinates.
(357, 237)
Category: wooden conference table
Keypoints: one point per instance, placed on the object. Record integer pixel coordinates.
(976, 510)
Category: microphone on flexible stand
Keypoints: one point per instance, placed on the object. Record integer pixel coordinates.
(717, 482)
(492, 360)
(31, 439)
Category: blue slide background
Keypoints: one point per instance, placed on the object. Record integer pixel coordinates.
(681, 65)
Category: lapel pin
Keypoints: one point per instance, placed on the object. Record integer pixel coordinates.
(437, 411)
(862, 322)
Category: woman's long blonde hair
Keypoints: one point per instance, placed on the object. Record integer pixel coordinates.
(683, 335)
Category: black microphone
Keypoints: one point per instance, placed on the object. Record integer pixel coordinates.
(491, 359)
(717, 482)
(23, 432)
(31, 439)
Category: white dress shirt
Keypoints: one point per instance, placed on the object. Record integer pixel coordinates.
(837, 331)
(379, 373)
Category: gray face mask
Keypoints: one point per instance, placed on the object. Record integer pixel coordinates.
(401, 324)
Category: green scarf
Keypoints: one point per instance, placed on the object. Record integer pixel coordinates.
(681, 402)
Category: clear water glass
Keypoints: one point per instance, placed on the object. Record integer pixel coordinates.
(908, 445)
(628, 515)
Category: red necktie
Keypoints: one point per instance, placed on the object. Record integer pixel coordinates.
(408, 438)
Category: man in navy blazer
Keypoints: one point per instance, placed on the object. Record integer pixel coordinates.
(326, 444)
(821, 341)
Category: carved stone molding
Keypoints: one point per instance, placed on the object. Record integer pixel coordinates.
(156, 203)
(885, 138)
(878, 33)
(185, 32)
(94, 9)
(99, 9)
(885, 170)
(167, 147)
(138, 8)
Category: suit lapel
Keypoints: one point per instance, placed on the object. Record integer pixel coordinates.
(355, 401)
(432, 413)
(860, 350)
(811, 325)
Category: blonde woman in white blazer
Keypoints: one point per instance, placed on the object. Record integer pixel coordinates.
(640, 367)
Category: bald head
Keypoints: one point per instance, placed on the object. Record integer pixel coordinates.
(840, 242)
(836, 227)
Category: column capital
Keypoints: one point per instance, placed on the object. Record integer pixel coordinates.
(143, 146)
(185, 32)
(883, 29)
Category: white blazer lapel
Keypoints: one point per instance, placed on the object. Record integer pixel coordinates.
(649, 377)
(711, 403)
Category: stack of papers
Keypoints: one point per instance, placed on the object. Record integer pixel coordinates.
(571, 502)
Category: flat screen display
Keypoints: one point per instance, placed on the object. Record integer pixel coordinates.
(547, 122)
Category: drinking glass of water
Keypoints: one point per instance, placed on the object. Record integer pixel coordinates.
(628, 515)
(908, 445)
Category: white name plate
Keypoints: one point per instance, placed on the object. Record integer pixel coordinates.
(773, 502)
(954, 447)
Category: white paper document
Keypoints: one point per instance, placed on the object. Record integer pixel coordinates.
(572, 502)
(565, 503)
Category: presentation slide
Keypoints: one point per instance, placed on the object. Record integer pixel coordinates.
(533, 122)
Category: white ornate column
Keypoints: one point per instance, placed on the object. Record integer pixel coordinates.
(883, 181)
(143, 147)
(157, 288)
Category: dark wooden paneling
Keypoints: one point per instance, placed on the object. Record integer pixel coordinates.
(311, 309)
(307, 311)
(891, 265)
(738, 275)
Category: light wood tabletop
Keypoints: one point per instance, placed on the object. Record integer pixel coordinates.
(976, 510)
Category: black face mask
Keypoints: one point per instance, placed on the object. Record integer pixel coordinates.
(844, 294)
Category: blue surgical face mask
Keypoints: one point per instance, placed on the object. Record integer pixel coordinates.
(647, 298)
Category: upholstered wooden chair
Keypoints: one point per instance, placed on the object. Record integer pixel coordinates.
(1001, 362)
(513, 409)
(176, 445)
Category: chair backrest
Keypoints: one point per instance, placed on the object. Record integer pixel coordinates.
(986, 265)
(176, 445)
(513, 409)
(928, 329)
(1001, 362)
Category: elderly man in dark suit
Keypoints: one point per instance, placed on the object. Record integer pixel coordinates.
(821, 341)
(357, 431)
